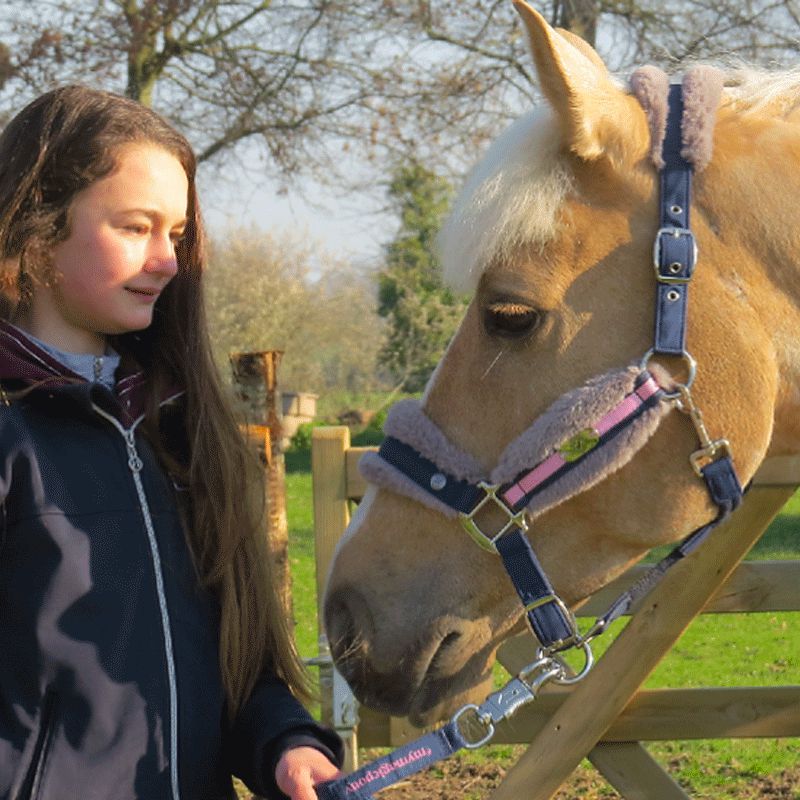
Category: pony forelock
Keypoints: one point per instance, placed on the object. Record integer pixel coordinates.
(510, 199)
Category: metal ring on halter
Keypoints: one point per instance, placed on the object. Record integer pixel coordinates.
(564, 678)
(690, 363)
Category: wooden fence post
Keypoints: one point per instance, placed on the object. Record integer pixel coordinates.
(255, 378)
(331, 516)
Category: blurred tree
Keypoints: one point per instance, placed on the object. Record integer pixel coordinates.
(295, 77)
(578, 16)
(422, 314)
(269, 293)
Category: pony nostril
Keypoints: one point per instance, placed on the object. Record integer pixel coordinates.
(449, 640)
(446, 653)
(345, 616)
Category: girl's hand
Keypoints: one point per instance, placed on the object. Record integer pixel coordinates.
(299, 769)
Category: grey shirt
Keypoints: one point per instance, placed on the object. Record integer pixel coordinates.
(96, 369)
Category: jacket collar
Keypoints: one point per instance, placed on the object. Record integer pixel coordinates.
(23, 361)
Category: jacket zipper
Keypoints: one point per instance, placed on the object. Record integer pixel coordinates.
(33, 781)
(135, 465)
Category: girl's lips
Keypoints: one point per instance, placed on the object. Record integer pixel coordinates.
(150, 295)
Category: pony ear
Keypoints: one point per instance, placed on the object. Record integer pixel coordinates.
(583, 46)
(597, 117)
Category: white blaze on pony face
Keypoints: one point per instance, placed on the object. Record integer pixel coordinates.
(414, 609)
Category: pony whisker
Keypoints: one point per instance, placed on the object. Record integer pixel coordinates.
(494, 361)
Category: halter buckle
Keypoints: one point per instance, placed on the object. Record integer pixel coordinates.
(513, 520)
(676, 268)
(706, 455)
(573, 640)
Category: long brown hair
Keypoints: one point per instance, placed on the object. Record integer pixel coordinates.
(57, 146)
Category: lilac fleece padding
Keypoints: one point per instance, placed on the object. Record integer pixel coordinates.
(702, 90)
(650, 85)
(410, 424)
(570, 414)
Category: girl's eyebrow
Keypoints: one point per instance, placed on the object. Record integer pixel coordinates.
(153, 213)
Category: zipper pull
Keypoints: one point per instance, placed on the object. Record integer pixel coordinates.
(134, 462)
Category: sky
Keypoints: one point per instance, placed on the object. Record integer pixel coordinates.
(347, 226)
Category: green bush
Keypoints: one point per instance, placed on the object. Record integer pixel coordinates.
(301, 441)
(372, 433)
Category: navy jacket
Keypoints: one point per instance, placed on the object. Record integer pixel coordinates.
(110, 687)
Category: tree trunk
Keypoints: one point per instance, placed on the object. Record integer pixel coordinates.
(255, 377)
(579, 17)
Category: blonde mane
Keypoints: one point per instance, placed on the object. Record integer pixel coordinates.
(513, 195)
(749, 90)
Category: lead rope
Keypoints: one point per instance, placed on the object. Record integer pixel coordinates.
(472, 726)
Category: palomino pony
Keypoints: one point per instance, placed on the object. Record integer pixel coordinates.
(554, 232)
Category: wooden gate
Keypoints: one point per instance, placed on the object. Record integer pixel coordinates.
(606, 716)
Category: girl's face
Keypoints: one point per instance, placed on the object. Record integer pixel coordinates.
(119, 256)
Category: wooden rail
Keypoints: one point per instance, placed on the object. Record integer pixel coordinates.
(606, 716)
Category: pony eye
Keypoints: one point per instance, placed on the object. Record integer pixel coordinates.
(511, 320)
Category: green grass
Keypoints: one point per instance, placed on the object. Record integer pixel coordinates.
(716, 650)
(300, 515)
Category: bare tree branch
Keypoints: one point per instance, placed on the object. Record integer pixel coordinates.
(305, 81)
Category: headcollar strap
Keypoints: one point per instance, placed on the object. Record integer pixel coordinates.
(675, 251)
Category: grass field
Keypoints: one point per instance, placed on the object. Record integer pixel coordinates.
(716, 650)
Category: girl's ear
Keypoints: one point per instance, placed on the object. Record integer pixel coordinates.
(597, 117)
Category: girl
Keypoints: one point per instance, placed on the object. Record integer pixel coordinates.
(143, 651)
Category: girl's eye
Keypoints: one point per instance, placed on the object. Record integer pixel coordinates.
(511, 320)
(137, 229)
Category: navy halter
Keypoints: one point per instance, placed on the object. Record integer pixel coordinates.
(675, 255)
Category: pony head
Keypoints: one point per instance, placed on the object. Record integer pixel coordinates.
(553, 233)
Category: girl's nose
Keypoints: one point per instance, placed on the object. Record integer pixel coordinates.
(161, 258)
